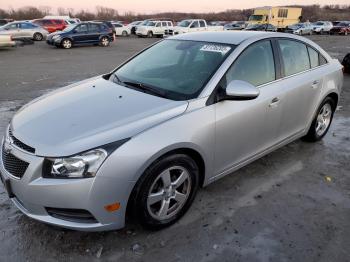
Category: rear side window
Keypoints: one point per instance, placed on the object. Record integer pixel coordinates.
(313, 54)
(295, 56)
(255, 65)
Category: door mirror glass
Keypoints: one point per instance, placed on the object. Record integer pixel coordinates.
(240, 90)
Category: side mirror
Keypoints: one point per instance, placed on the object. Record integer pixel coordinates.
(240, 90)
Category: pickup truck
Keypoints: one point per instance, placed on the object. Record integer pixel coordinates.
(192, 25)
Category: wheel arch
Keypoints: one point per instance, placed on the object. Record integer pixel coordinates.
(189, 151)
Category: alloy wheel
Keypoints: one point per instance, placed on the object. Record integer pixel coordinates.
(323, 119)
(169, 193)
(104, 41)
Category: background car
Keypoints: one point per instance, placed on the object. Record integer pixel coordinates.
(82, 34)
(24, 30)
(154, 28)
(342, 28)
(300, 29)
(121, 30)
(261, 27)
(6, 41)
(133, 25)
(321, 27)
(51, 25)
(237, 25)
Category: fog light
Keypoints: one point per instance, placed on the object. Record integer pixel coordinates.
(113, 207)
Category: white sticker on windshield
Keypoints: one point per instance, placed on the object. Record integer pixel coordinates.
(216, 48)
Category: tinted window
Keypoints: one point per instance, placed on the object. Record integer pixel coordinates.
(81, 28)
(295, 57)
(246, 67)
(201, 23)
(194, 24)
(163, 23)
(94, 27)
(169, 24)
(313, 54)
(323, 60)
(118, 25)
(12, 26)
(26, 26)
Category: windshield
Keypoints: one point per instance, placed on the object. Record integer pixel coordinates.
(144, 22)
(253, 26)
(319, 23)
(184, 23)
(69, 28)
(255, 18)
(177, 69)
(151, 24)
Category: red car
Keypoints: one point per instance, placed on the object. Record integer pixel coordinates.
(51, 25)
(342, 28)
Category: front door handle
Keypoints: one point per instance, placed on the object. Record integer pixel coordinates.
(314, 84)
(274, 102)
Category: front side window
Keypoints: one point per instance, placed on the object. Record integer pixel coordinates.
(179, 69)
(81, 28)
(12, 26)
(201, 23)
(255, 65)
(195, 24)
(295, 56)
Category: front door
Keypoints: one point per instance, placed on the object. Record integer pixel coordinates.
(246, 128)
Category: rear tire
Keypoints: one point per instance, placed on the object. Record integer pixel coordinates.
(124, 33)
(322, 121)
(159, 201)
(38, 37)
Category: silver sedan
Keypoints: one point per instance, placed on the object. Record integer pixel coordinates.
(181, 114)
(24, 30)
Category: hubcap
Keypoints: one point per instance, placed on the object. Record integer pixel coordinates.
(323, 119)
(168, 193)
(105, 41)
(67, 44)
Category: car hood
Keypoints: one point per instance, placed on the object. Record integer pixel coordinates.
(89, 114)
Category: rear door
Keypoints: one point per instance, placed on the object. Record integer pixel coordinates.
(26, 30)
(94, 33)
(302, 83)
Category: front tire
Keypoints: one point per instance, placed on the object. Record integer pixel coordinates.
(150, 34)
(38, 37)
(104, 41)
(322, 121)
(165, 191)
(66, 44)
(124, 33)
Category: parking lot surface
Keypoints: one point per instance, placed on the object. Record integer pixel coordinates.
(291, 205)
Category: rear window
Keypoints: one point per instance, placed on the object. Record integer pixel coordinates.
(295, 56)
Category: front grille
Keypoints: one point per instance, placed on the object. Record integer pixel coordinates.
(72, 215)
(14, 165)
(20, 144)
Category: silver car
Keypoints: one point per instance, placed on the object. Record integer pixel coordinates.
(24, 30)
(176, 117)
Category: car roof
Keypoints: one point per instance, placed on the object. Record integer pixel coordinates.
(234, 38)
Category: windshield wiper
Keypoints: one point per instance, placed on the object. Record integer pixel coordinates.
(147, 89)
(141, 86)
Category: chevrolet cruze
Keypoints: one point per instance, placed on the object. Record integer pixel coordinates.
(179, 115)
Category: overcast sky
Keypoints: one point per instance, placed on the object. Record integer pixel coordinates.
(152, 6)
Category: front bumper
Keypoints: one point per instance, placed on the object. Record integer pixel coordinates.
(34, 195)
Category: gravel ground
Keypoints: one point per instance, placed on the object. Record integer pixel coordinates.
(291, 205)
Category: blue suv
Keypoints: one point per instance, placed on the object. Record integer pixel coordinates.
(82, 34)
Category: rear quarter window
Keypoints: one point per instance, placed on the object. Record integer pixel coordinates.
(313, 54)
(323, 60)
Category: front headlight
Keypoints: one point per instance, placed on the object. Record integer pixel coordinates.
(56, 37)
(80, 166)
(83, 165)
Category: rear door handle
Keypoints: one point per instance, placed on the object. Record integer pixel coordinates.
(274, 102)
